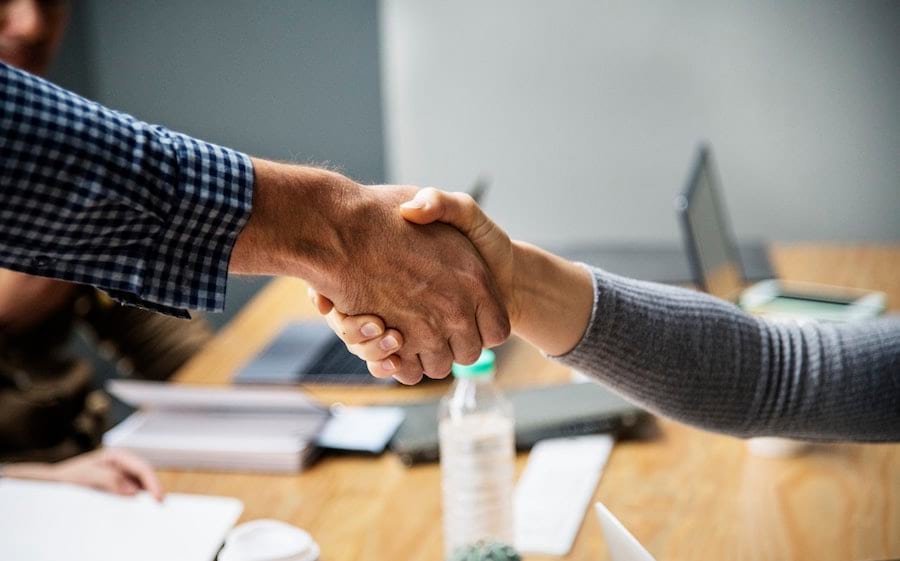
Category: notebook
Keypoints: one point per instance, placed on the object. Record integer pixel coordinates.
(48, 521)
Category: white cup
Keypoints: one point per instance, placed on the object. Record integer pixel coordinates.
(268, 540)
(775, 447)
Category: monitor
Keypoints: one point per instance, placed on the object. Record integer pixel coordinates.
(712, 252)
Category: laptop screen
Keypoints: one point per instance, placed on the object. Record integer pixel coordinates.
(714, 257)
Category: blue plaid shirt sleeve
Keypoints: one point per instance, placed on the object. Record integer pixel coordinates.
(93, 196)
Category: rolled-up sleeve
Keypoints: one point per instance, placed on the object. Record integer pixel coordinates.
(94, 196)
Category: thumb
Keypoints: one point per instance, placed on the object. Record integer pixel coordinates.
(456, 209)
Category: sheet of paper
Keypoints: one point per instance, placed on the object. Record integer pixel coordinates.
(622, 546)
(555, 490)
(42, 521)
(363, 429)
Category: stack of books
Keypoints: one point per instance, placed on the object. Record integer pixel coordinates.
(218, 428)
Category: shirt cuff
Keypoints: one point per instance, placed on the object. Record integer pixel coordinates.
(187, 267)
(583, 353)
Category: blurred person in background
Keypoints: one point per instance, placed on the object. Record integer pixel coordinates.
(49, 407)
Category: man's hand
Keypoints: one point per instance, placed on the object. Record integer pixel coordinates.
(353, 247)
(114, 471)
(549, 298)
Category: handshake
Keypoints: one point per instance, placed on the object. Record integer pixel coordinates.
(411, 279)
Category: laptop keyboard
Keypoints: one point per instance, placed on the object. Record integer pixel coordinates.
(337, 365)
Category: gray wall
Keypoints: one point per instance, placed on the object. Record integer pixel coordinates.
(284, 79)
(586, 113)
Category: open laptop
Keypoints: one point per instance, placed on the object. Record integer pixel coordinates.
(712, 253)
(717, 267)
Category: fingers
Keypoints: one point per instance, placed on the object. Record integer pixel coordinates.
(379, 348)
(410, 369)
(493, 323)
(137, 474)
(385, 368)
(367, 338)
(356, 330)
(465, 346)
(437, 362)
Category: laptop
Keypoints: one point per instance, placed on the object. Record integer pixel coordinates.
(307, 352)
(717, 267)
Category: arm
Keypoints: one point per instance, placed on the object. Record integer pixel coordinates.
(93, 196)
(157, 219)
(685, 354)
(703, 361)
(114, 471)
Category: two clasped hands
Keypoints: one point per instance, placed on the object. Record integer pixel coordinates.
(412, 280)
(548, 299)
(387, 350)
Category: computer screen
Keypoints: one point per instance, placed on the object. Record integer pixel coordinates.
(713, 254)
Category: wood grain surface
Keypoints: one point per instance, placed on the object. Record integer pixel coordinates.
(685, 494)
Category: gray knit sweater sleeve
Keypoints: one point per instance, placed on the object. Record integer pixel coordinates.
(701, 360)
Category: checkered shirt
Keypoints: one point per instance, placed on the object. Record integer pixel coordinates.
(93, 196)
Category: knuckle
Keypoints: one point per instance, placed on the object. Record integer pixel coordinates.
(498, 333)
(466, 200)
(458, 318)
(468, 354)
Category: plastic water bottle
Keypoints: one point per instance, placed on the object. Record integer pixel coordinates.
(477, 458)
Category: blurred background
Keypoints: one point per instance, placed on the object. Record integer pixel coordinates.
(584, 114)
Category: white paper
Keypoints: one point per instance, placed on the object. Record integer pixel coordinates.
(555, 490)
(622, 546)
(43, 521)
(366, 429)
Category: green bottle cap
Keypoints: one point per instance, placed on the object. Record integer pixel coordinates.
(483, 366)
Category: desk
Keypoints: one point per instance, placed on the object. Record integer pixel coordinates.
(685, 495)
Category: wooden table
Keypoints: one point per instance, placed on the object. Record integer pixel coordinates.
(686, 494)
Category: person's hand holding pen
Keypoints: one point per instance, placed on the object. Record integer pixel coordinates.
(548, 298)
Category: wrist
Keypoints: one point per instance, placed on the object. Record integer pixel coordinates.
(30, 470)
(552, 297)
(294, 228)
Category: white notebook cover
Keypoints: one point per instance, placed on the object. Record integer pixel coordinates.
(44, 521)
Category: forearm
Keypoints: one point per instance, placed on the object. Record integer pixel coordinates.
(292, 229)
(701, 360)
(552, 299)
(29, 470)
(94, 196)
